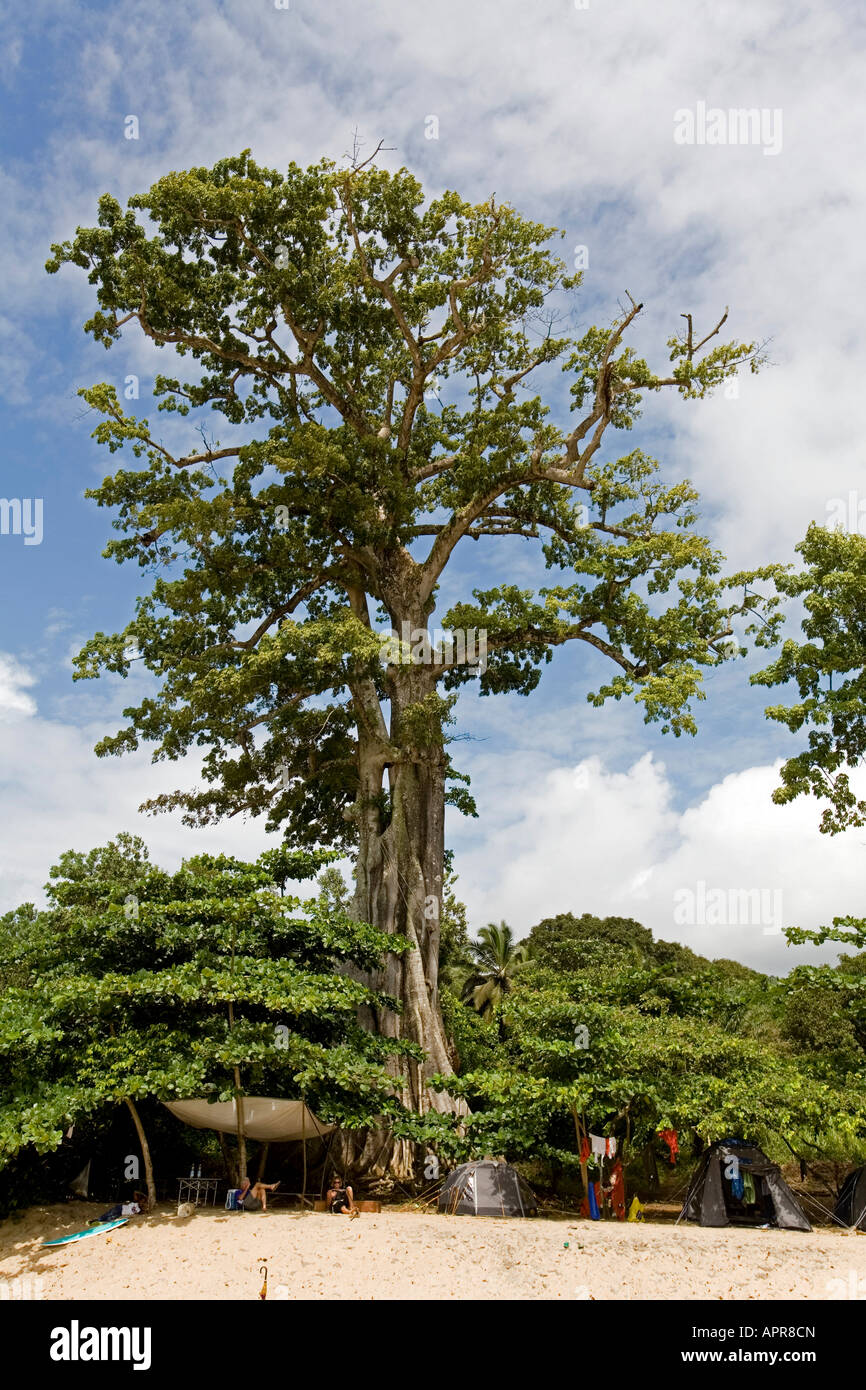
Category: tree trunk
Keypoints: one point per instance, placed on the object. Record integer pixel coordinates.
(580, 1135)
(241, 1132)
(398, 888)
(145, 1153)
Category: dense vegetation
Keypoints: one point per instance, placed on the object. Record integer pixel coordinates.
(604, 1026)
(136, 986)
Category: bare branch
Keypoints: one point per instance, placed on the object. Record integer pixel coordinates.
(430, 470)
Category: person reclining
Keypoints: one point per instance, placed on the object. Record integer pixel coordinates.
(135, 1207)
(254, 1196)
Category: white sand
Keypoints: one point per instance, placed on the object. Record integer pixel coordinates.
(407, 1254)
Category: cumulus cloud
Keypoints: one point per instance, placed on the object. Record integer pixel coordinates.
(15, 680)
(56, 795)
(722, 876)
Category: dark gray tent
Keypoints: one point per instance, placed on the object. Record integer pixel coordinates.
(487, 1188)
(851, 1206)
(720, 1193)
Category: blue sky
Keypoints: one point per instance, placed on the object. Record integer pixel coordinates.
(567, 113)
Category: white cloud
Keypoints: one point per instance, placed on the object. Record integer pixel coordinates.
(584, 839)
(56, 795)
(15, 680)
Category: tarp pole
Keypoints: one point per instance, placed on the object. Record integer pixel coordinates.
(579, 1137)
(304, 1144)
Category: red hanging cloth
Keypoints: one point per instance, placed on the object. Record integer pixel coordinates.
(617, 1195)
(669, 1137)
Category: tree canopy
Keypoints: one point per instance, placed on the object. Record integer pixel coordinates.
(319, 305)
(829, 671)
(136, 983)
(627, 1035)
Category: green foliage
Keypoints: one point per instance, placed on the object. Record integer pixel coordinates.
(496, 961)
(825, 1013)
(122, 987)
(142, 984)
(851, 930)
(372, 356)
(566, 942)
(473, 1039)
(455, 953)
(334, 887)
(829, 670)
(635, 1035)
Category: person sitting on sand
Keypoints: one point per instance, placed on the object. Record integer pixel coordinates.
(341, 1199)
(254, 1196)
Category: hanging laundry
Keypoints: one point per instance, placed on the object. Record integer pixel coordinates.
(605, 1191)
(738, 1185)
(610, 1148)
(617, 1195)
(669, 1137)
(595, 1193)
(584, 1150)
(748, 1187)
(593, 1201)
(597, 1143)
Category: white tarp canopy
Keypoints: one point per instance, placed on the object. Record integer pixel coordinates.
(274, 1120)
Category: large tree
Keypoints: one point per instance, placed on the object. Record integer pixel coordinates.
(370, 356)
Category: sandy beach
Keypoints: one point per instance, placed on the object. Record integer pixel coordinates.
(402, 1254)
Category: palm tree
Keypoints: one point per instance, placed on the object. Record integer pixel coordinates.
(498, 958)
